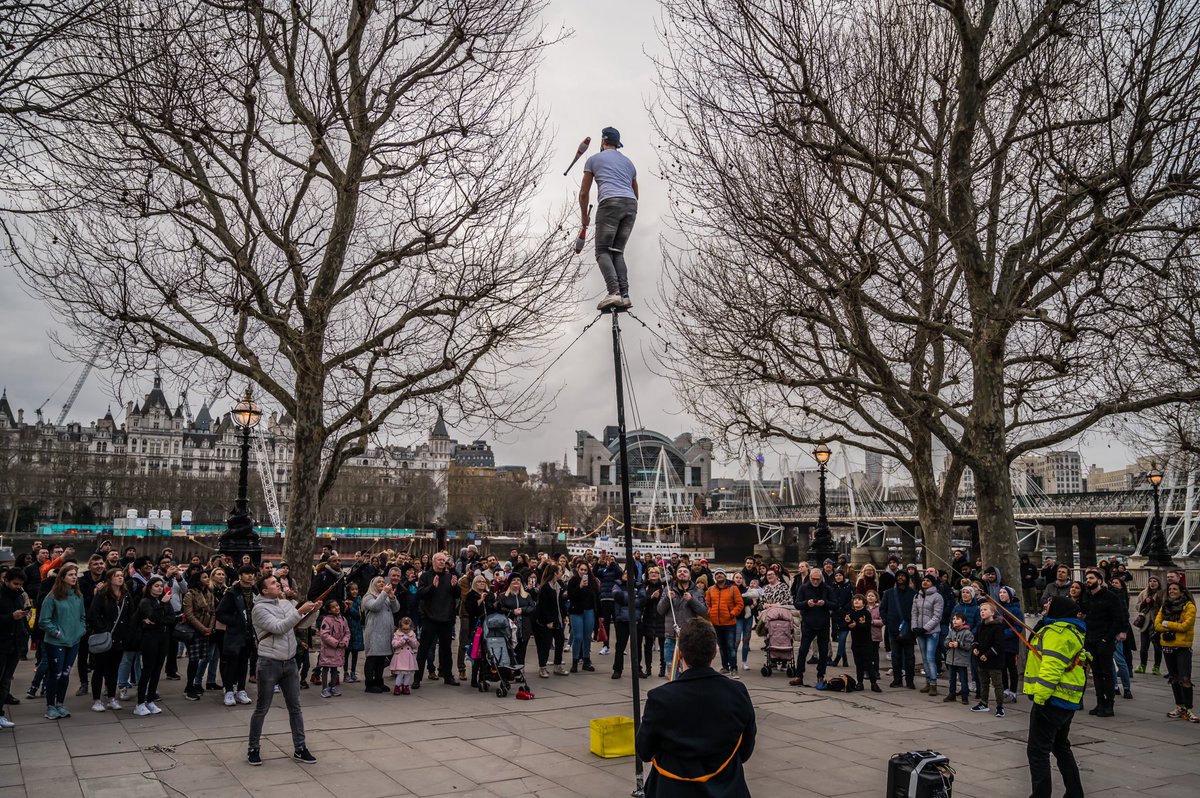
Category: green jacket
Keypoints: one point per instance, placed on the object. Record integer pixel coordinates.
(1055, 673)
(63, 620)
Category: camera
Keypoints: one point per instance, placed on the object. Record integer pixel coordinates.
(1167, 637)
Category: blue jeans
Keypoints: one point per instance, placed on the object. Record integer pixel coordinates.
(129, 672)
(745, 628)
(582, 626)
(841, 646)
(959, 680)
(614, 224)
(212, 667)
(929, 648)
(39, 673)
(1121, 669)
(59, 660)
(668, 651)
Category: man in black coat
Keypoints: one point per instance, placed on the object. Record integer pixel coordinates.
(437, 594)
(1105, 628)
(814, 600)
(698, 730)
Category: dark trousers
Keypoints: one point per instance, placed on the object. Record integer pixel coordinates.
(104, 671)
(172, 658)
(1049, 728)
(84, 662)
(1179, 674)
(904, 661)
(807, 635)
(726, 637)
(234, 669)
(441, 632)
(606, 616)
(619, 645)
(373, 672)
(8, 666)
(154, 654)
(648, 649)
(543, 638)
(1102, 673)
(1151, 640)
(866, 663)
(273, 672)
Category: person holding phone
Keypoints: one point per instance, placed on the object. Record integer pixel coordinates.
(13, 633)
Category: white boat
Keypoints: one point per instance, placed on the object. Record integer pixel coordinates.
(615, 544)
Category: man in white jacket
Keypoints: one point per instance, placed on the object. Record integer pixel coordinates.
(274, 618)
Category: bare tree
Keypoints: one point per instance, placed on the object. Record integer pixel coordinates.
(910, 222)
(325, 199)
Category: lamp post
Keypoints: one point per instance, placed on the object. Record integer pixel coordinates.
(822, 547)
(239, 537)
(1158, 555)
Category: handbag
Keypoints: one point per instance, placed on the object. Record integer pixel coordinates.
(1140, 622)
(102, 642)
(184, 632)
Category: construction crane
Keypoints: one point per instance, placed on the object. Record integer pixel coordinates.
(83, 375)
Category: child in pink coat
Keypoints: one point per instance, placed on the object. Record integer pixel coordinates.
(404, 656)
(335, 636)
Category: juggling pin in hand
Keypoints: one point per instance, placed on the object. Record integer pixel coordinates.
(581, 239)
(583, 147)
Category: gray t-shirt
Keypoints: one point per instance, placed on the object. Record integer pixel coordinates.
(614, 174)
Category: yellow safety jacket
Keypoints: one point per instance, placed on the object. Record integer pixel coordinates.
(1057, 672)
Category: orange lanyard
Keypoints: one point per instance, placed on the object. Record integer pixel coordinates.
(707, 776)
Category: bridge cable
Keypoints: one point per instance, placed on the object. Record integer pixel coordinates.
(557, 358)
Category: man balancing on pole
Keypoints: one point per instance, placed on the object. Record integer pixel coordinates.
(616, 212)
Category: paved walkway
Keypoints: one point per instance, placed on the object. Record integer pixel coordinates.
(454, 741)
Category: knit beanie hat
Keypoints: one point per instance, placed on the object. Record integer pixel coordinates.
(1062, 607)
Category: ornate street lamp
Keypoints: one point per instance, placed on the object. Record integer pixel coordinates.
(1158, 555)
(822, 547)
(240, 538)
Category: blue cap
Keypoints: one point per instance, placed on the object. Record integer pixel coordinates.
(612, 137)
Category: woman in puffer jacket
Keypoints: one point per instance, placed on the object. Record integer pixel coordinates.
(927, 624)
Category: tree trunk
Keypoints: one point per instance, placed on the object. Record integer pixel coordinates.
(305, 504)
(993, 483)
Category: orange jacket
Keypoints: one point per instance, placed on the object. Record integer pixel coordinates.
(724, 604)
(50, 565)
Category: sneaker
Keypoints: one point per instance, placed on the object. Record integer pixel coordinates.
(303, 755)
(950, 699)
(560, 670)
(610, 301)
(153, 707)
(229, 699)
(352, 677)
(212, 686)
(241, 697)
(1191, 716)
(335, 691)
(83, 690)
(626, 302)
(123, 694)
(544, 673)
(31, 692)
(745, 666)
(1010, 696)
(191, 695)
(980, 707)
(51, 713)
(1140, 669)
(5, 723)
(114, 703)
(325, 693)
(1155, 671)
(303, 685)
(1128, 693)
(140, 710)
(604, 651)
(587, 666)
(733, 674)
(98, 706)
(63, 712)
(253, 757)
(1177, 712)
(276, 690)
(999, 712)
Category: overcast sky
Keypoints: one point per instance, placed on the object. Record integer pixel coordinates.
(601, 76)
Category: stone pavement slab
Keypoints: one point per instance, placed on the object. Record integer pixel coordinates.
(444, 741)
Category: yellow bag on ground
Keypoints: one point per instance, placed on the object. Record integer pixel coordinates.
(612, 737)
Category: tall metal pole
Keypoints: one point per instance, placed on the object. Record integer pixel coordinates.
(243, 498)
(822, 546)
(631, 582)
(1158, 555)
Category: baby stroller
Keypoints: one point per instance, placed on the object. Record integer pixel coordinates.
(778, 621)
(500, 656)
